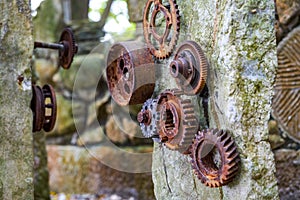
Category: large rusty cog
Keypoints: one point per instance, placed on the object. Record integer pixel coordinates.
(189, 67)
(66, 55)
(178, 123)
(167, 41)
(148, 117)
(215, 159)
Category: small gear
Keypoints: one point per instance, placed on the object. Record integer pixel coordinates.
(70, 48)
(215, 159)
(161, 45)
(178, 123)
(189, 68)
(148, 117)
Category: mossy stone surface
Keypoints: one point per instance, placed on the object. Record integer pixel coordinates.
(16, 156)
(238, 38)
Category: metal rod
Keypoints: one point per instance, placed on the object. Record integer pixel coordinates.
(48, 45)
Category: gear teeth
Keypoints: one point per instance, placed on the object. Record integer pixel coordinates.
(151, 130)
(175, 28)
(229, 158)
(198, 81)
(188, 121)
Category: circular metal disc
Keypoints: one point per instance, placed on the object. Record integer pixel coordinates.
(286, 101)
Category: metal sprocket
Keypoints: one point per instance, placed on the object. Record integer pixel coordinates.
(70, 48)
(148, 117)
(166, 41)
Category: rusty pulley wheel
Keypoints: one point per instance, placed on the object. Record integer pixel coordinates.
(215, 159)
(161, 43)
(43, 106)
(189, 67)
(130, 73)
(177, 124)
(66, 54)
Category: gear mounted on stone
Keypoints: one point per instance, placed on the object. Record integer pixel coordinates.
(148, 117)
(189, 67)
(178, 123)
(161, 45)
(215, 159)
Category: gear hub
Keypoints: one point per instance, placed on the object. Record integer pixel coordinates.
(177, 124)
(215, 159)
(130, 73)
(189, 68)
(148, 117)
(161, 44)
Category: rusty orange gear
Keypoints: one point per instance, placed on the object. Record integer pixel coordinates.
(215, 159)
(177, 124)
(166, 41)
(189, 68)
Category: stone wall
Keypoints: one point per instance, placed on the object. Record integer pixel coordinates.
(16, 156)
(238, 38)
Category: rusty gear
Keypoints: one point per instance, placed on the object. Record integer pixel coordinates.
(50, 116)
(130, 73)
(215, 159)
(70, 48)
(148, 117)
(38, 108)
(189, 68)
(177, 124)
(166, 41)
(43, 106)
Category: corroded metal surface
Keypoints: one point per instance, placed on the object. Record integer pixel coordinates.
(66, 47)
(38, 108)
(161, 45)
(177, 124)
(50, 107)
(148, 117)
(215, 159)
(130, 73)
(70, 48)
(44, 108)
(286, 101)
(189, 68)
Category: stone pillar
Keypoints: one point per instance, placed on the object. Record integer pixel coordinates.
(16, 155)
(238, 39)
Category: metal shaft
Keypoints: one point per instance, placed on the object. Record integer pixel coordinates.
(48, 45)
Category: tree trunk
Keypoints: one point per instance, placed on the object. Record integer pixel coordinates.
(238, 39)
(16, 156)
